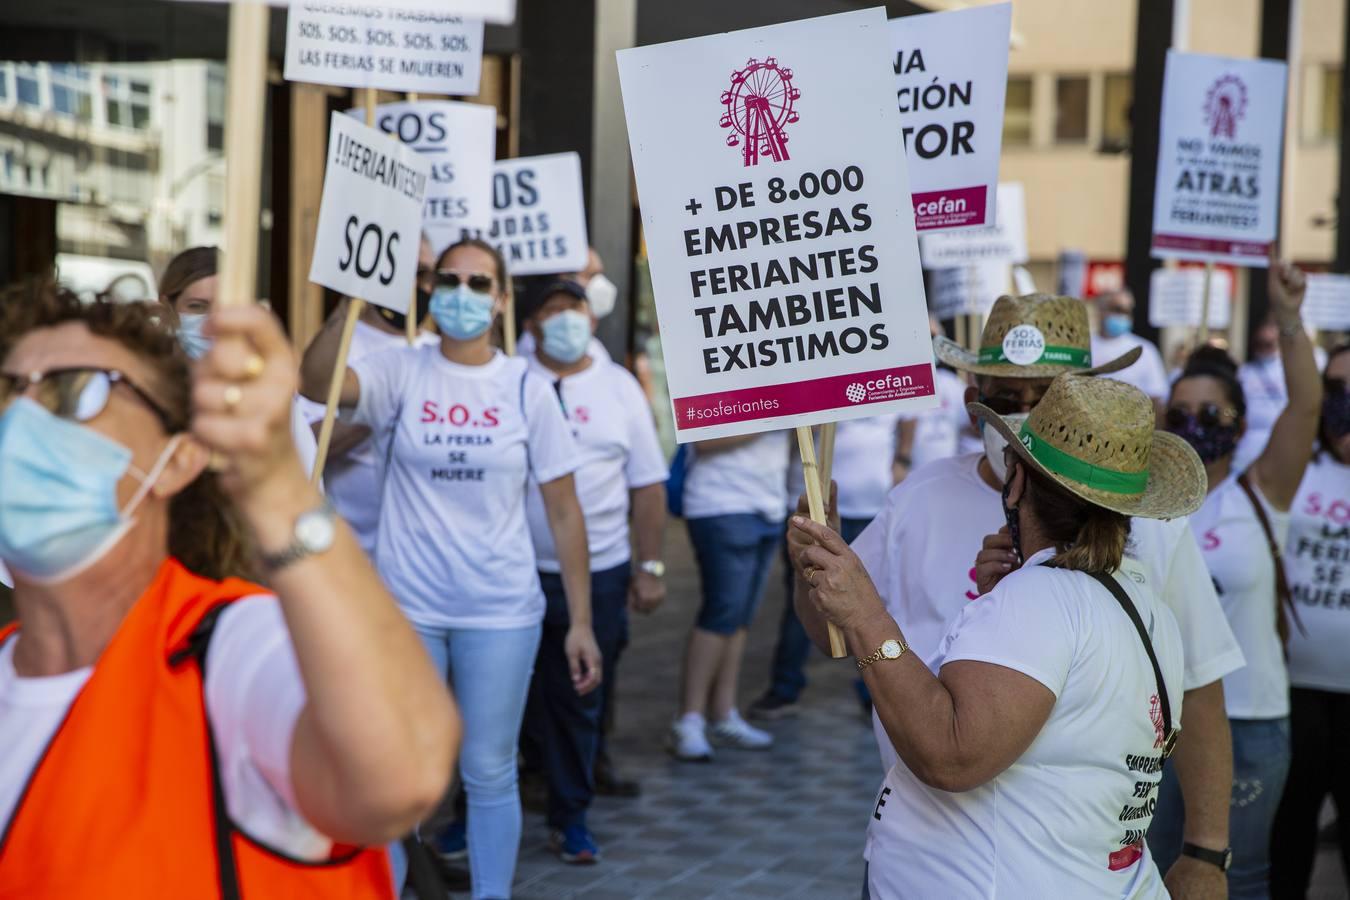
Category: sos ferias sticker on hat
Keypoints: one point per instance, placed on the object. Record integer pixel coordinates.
(779, 226)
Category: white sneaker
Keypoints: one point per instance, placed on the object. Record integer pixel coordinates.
(733, 731)
(687, 740)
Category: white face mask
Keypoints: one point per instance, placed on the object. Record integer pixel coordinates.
(994, 444)
(601, 294)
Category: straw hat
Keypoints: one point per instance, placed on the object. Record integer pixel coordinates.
(1032, 336)
(1095, 437)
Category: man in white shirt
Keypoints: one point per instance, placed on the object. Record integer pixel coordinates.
(1115, 337)
(921, 548)
(1263, 387)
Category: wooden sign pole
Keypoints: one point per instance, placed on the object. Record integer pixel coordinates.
(354, 307)
(1204, 304)
(411, 321)
(806, 445)
(826, 457)
(245, 98)
(509, 321)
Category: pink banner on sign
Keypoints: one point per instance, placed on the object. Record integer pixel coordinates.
(1210, 245)
(950, 209)
(771, 401)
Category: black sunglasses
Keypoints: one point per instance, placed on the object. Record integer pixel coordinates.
(1007, 406)
(476, 282)
(1210, 415)
(78, 394)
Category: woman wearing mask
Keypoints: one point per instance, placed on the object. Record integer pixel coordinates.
(463, 429)
(190, 735)
(1027, 764)
(1315, 559)
(188, 287)
(1244, 518)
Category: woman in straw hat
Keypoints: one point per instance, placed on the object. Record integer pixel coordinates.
(1031, 758)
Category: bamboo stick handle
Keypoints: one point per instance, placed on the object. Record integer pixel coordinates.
(826, 457)
(806, 445)
(246, 77)
(411, 320)
(335, 390)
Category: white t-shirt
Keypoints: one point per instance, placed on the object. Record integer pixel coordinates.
(1267, 395)
(920, 552)
(253, 697)
(937, 432)
(453, 545)
(1068, 818)
(617, 451)
(1148, 373)
(302, 433)
(352, 479)
(1317, 564)
(748, 478)
(1237, 555)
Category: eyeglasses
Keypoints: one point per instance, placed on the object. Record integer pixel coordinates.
(1209, 415)
(476, 281)
(78, 394)
(1008, 406)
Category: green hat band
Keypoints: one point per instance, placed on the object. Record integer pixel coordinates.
(1075, 357)
(1084, 473)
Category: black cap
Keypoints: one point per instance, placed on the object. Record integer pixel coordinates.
(540, 290)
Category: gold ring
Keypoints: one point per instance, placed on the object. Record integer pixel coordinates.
(253, 366)
(233, 395)
(810, 575)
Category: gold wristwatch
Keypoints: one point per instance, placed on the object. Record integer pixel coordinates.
(891, 649)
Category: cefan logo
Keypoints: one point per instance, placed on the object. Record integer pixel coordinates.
(1155, 716)
(759, 104)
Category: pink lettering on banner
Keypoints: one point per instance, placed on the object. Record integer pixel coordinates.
(772, 401)
(1258, 249)
(1125, 857)
(949, 209)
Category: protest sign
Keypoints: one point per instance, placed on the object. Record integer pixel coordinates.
(370, 215)
(395, 48)
(459, 142)
(1327, 303)
(1004, 241)
(538, 214)
(498, 12)
(779, 227)
(1217, 193)
(951, 74)
(1177, 297)
(967, 290)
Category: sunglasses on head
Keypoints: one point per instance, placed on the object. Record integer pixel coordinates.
(1209, 415)
(77, 394)
(476, 281)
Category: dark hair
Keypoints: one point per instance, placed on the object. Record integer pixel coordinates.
(205, 534)
(498, 261)
(1214, 362)
(183, 270)
(1087, 538)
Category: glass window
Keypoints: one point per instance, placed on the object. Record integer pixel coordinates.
(70, 91)
(128, 102)
(1017, 112)
(4, 82)
(215, 108)
(1117, 104)
(1329, 111)
(28, 84)
(1071, 109)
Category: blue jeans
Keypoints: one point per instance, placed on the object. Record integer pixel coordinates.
(788, 675)
(490, 671)
(1260, 765)
(561, 735)
(734, 553)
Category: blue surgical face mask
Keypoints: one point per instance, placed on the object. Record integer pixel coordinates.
(190, 335)
(1118, 324)
(58, 492)
(461, 313)
(566, 335)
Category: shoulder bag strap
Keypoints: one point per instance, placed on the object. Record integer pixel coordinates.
(1284, 600)
(1170, 731)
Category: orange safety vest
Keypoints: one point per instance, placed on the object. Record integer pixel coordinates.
(126, 803)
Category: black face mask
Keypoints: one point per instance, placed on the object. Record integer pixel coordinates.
(1014, 528)
(399, 320)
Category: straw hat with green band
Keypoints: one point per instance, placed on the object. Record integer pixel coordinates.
(1095, 438)
(1032, 336)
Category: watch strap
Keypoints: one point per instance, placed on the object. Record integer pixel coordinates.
(1221, 858)
(297, 549)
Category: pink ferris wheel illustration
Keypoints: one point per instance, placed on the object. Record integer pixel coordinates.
(758, 104)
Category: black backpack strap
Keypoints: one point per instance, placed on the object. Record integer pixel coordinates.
(1170, 731)
(195, 649)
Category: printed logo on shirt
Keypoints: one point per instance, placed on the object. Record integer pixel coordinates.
(1137, 812)
(468, 430)
(1159, 727)
(1319, 556)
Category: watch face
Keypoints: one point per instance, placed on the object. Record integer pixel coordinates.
(890, 649)
(316, 531)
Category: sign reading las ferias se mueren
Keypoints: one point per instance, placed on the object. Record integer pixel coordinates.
(1217, 193)
(951, 76)
(779, 225)
(370, 215)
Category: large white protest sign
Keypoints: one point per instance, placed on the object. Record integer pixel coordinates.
(779, 226)
(1004, 241)
(1177, 297)
(1217, 193)
(459, 140)
(951, 75)
(1327, 303)
(499, 12)
(395, 48)
(370, 215)
(538, 214)
(967, 290)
